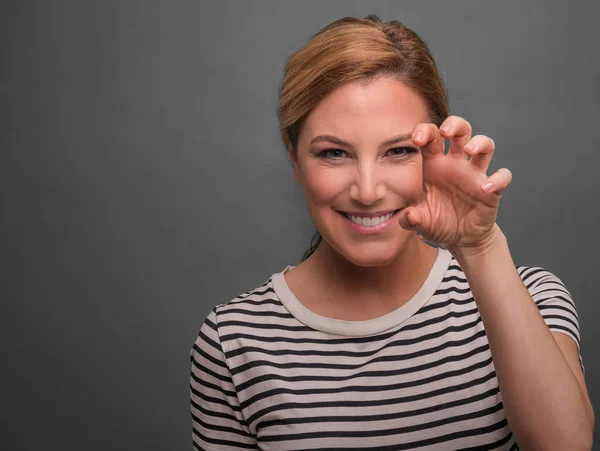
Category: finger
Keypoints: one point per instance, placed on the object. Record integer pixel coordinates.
(481, 149)
(498, 181)
(458, 131)
(409, 218)
(427, 137)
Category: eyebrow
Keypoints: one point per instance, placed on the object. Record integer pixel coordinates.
(341, 142)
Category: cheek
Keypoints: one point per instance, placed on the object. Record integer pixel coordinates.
(415, 185)
(323, 185)
(408, 181)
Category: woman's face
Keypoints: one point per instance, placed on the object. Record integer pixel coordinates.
(358, 167)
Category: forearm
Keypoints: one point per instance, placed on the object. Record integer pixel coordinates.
(544, 404)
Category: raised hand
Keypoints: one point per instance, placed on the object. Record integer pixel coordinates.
(460, 201)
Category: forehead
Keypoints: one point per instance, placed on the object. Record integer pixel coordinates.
(360, 111)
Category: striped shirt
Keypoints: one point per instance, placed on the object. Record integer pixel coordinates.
(267, 373)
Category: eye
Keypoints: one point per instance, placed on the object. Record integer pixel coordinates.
(401, 151)
(333, 154)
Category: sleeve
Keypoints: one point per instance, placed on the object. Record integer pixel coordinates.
(554, 303)
(217, 420)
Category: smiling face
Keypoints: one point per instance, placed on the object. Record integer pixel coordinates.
(358, 167)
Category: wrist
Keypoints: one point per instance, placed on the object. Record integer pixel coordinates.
(493, 242)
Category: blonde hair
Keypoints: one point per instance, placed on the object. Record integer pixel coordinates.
(351, 49)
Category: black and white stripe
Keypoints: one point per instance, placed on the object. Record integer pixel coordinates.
(264, 376)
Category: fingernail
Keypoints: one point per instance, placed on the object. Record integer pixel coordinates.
(418, 135)
(410, 219)
(487, 186)
(446, 128)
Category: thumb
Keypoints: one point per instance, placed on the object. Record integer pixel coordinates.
(409, 218)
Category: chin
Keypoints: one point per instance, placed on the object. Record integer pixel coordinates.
(372, 256)
(371, 262)
(376, 251)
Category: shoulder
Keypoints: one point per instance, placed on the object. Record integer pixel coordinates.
(244, 304)
(535, 278)
(539, 280)
(554, 302)
(549, 293)
(249, 303)
(249, 307)
(544, 286)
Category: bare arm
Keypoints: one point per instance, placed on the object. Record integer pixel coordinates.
(543, 389)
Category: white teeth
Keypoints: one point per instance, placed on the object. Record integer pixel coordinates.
(370, 222)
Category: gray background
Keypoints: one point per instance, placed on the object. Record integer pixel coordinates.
(144, 181)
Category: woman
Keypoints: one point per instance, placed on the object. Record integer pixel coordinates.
(378, 339)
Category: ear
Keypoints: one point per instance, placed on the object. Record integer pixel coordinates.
(294, 160)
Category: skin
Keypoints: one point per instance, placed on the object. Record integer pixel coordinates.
(363, 176)
(449, 199)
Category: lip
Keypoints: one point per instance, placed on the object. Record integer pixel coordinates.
(374, 214)
(373, 229)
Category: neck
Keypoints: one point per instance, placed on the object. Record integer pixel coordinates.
(366, 292)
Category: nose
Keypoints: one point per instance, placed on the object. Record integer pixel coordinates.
(368, 186)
